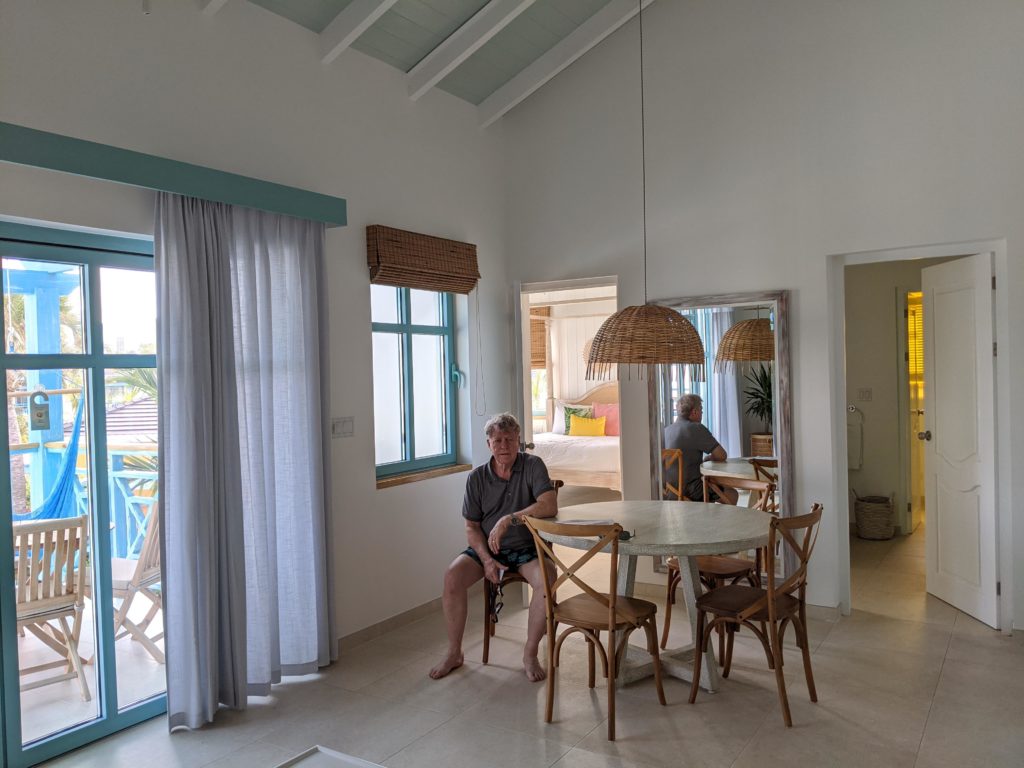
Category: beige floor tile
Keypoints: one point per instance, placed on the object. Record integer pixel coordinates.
(823, 735)
(711, 732)
(260, 755)
(903, 563)
(470, 745)
(581, 758)
(888, 671)
(359, 724)
(520, 707)
(906, 606)
(870, 630)
(989, 647)
(975, 719)
(371, 661)
(466, 687)
(150, 744)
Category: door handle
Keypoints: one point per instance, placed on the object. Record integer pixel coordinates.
(926, 435)
(526, 446)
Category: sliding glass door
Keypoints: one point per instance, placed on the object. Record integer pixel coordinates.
(81, 621)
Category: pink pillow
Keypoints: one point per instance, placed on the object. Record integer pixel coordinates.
(611, 417)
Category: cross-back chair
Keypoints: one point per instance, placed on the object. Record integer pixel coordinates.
(49, 569)
(766, 611)
(672, 474)
(492, 593)
(716, 570)
(593, 612)
(767, 469)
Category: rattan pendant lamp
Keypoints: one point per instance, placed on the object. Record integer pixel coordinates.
(748, 341)
(650, 334)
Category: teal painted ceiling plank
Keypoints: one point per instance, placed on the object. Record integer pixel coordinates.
(314, 15)
(28, 146)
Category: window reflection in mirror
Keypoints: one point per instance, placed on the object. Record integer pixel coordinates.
(745, 404)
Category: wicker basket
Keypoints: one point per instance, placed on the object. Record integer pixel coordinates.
(874, 517)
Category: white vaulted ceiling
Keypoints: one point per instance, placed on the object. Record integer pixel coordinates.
(491, 53)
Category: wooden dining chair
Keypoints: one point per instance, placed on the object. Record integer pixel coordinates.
(593, 612)
(49, 567)
(716, 570)
(672, 475)
(766, 612)
(491, 594)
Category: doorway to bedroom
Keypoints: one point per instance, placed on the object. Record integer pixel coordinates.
(569, 421)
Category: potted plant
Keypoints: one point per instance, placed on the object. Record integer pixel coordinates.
(759, 405)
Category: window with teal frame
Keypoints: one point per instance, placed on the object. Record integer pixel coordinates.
(414, 376)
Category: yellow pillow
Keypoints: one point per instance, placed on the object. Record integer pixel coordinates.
(580, 426)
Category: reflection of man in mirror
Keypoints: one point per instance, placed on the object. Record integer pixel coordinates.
(696, 441)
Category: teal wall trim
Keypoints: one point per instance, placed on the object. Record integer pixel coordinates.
(28, 146)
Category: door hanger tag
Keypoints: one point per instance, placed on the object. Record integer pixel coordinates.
(39, 410)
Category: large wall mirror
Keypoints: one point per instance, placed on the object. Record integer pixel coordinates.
(735, 396)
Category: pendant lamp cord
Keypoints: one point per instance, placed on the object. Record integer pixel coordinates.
(643, 142)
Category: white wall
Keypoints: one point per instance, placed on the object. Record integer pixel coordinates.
(572, 325)
(244, 91)
(777, 134)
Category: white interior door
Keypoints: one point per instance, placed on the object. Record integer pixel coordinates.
(960, 510)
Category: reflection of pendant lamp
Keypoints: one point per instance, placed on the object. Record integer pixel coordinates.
(748, 341)
(650, 334)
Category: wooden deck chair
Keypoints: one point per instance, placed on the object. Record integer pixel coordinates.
(49, 566)
(131, 578)
(593, 612)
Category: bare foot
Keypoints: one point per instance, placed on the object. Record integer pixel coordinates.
(534, 671)
(449, 663)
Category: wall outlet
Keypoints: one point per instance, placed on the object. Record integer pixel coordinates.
(343, 426)
(864, 394)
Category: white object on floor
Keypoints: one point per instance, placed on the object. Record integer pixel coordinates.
(322, 757)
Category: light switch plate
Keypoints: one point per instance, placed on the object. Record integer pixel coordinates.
(343, 426)
(864, 394)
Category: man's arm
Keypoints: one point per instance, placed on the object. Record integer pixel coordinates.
(546, 505)
(477, 540)
(718, 454)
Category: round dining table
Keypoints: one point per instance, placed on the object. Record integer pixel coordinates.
(684, 529)
(739, 468)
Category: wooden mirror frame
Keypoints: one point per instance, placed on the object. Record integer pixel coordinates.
(783, 403)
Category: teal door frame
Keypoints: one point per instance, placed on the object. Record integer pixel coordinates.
(91, 252)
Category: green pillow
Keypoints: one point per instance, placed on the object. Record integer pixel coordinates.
(571, 410)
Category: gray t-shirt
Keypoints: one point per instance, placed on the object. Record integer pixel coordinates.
(489, 498)
(694, 440)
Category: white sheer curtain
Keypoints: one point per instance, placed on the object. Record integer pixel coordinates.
(242, 364)
(724, 394)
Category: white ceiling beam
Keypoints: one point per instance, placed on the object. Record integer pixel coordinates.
(348, 25)
(582, 39)
(210, 7)
(463, 43)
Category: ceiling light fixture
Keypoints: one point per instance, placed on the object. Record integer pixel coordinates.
(650, 334)
(748, 341)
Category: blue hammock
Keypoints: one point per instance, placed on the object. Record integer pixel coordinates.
(61, 500)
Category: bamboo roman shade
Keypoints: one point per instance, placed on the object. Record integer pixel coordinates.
(539, 337)
(411, 260)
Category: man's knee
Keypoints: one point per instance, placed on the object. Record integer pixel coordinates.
(462, 574)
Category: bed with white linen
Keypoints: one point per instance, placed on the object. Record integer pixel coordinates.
(592, 461)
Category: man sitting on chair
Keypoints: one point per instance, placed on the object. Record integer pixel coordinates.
(499, 494)
(695, 440)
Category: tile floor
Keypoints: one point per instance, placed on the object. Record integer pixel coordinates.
(906, 680)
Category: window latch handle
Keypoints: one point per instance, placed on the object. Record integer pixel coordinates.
(458, 377)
